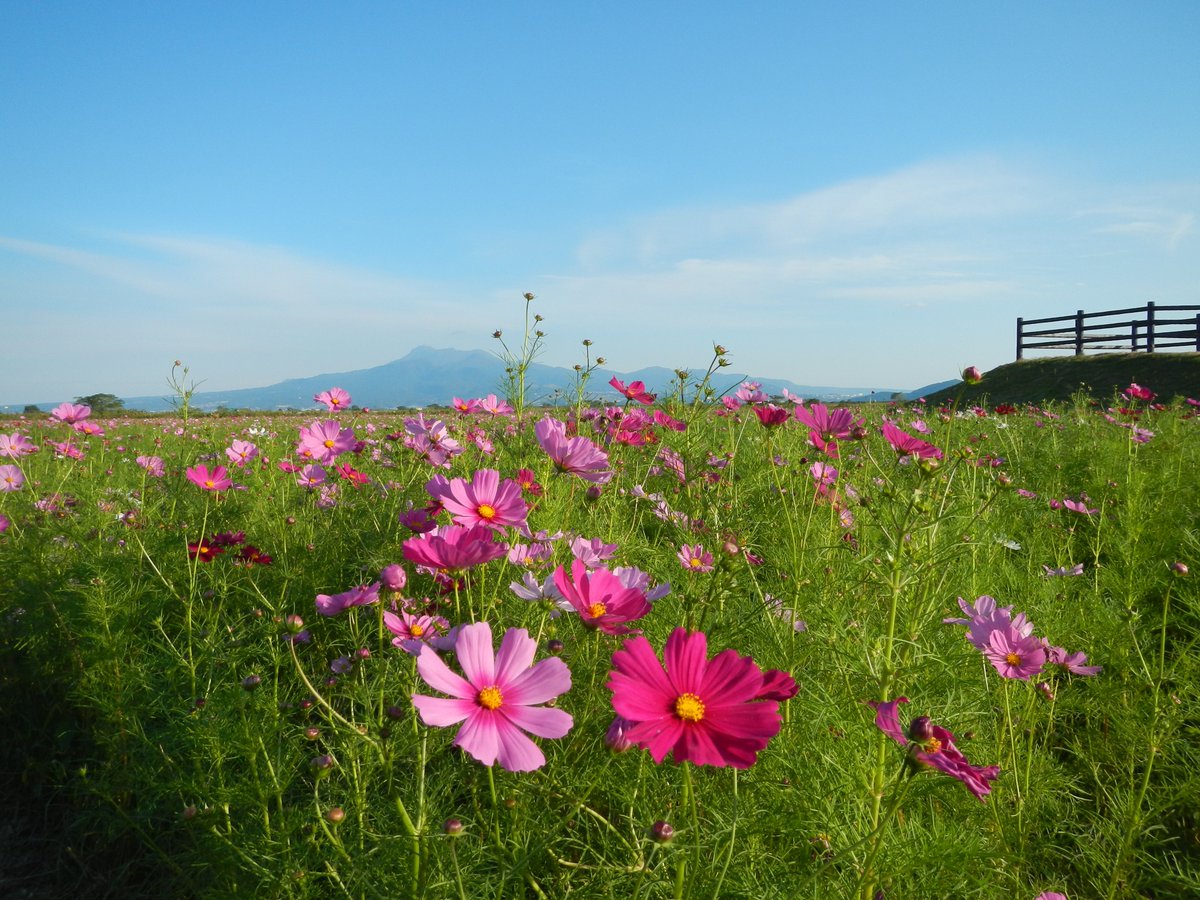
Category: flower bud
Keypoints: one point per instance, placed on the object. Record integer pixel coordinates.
(971, 375)
(335, 815)
(592, 493)
(920, 729)
(1179, 568)
(250, 682)
(661, 832)
(554, 645)
(452, 827)
(311, 733)
(393, 577)
(615, 738)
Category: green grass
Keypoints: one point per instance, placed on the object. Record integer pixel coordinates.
(138, 764)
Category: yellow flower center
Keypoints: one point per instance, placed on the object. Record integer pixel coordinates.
(596, 610)
(689, 707)
(209, 484)
(1012, 659)
(933, 745)
(329, 443)
(486, 512)
(416, 630)
(695, 562)
(490, 697)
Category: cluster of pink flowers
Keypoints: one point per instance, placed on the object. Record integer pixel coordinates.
(1009, 644)
(431, 440)
(208, 549)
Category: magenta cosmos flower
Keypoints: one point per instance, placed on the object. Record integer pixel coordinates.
(601, 598)
(827, 428)
(496, 697)
(635, 390)
(216, 480)
(934, 746)
(363, 595)
(907, 445)
(333, 399)
(576, 455)
(453, 547)
(484, 500)
(695, 558)
(718, 712)
(771, 416)
(1015, 655)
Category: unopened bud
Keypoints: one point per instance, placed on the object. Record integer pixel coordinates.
(661, 832)
(335, 815)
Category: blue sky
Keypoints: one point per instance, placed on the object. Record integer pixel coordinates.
(862, 194)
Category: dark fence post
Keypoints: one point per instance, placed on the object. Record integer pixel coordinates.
(1079, 332)
(1150, 327)
(1021, 323)
(1133, 334)
(1198, 332)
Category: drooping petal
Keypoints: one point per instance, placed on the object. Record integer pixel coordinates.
(440, 677)
(517, 753)
(442, 711)
(479, 735)
(543, 721)
(887, 719)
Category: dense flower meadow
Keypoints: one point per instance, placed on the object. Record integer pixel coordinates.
(737, 646)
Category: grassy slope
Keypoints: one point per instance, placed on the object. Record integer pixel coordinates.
(1061, 377)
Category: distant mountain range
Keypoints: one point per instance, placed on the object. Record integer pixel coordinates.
(432, 376)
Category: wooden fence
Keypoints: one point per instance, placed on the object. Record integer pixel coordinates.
(1148, 330)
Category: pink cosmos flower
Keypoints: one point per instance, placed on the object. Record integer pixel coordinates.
(497, 696)
(1049, 572)
(412, 632)
(751, 392)
(635, 390)
(216, 480)
(601, 600)
(484, 500)
(16, 445)
(324, 442)
(771, 416)
(907, 445)
(695, 558)
(1050, 895)
(11, 478)
(635, 578)
(431, 440)
(490, 404)
(152, 464)
(334, 399)
(827, 428)
(1137, 392)
(1079, 506)
(453, 547)
(1071, 662)
(70, 413)
(91, 429)
(933, 746)
(576, 455)
(4, 523)
(592, 552)
(311, 477)
(241, 452)
(464, 406)
(718, 712)
(363, 595)
(1013, 654)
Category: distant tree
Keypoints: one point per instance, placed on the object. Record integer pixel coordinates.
(32, 409)
(102, 404)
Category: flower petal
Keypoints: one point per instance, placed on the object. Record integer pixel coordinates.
(439, 676)
(544, 681)
(514, 657)
(479, 735)
(685, 658)
(442, 711)
(475, 654)
(540, 720)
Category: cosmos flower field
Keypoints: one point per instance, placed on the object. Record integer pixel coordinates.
(679, 646)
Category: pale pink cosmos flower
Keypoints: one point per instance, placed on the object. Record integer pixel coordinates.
(11, 478)
(215, 480)
(16, 445)
(4, 523)
(152, 464)
(89, 428)
(1060, 571)
(484, 500)
(576, 455)
(311, 477)
(431, 440)
(1079, 506)
(529, 588)
(362, 595)
(1071, 662)
(751, 392)
(633, 577)
(1015, 655)
(695, 558)
(70, 413)
(333, 399)
(497, 697)
(241, 452)
(592, 552)
(324, 442)
(494, 406)
(466, 407)
(412, 632)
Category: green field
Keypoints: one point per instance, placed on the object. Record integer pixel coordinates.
(174, 731)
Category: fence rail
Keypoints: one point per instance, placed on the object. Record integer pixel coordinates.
(1149, 330)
